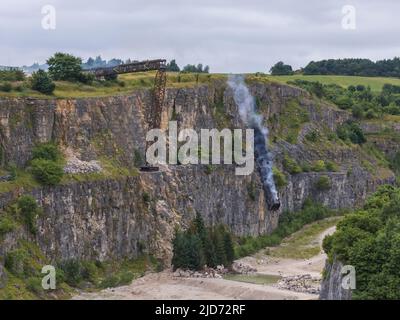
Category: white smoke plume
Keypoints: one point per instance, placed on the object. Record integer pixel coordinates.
(248, 114)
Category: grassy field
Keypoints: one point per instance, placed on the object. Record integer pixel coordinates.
(126, 83)
(376, 83)
(303, 244)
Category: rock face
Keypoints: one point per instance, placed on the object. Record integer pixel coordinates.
(123, 216)
(331, 285)
(3, 277)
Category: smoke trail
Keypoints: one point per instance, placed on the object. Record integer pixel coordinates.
(247, 111)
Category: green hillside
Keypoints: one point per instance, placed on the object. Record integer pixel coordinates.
(376, 83)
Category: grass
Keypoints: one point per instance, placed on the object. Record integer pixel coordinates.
(304, 243)
(24, 180)
(110, 170)
(256, 278)
(125, 84)
(376, 83)
(291, 120)
(132, 81)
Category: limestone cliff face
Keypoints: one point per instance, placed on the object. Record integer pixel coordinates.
(331, 286)
(123, 216)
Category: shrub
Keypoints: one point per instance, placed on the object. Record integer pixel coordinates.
(290, 165)
(323, 183)
(34, 284)
(251, 190)
(110, 282)
(146, 197)
(29, 211)
(318, 166)
(6, 224)
(6, 87)
(279, 178)
(47, 151)
(41, 82)
(73, 272)
(312, 136)
(47, 172)
(331, 166)
(351, 131)
(12, 168)
(12, 75)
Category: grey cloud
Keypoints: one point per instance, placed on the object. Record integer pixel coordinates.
(230, 36)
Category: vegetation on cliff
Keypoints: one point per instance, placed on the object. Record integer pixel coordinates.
(289, 223)
(369, 240)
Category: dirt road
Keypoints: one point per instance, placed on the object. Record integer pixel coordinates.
(164, 285)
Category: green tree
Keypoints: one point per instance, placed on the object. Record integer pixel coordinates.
(64, 66)
(172, 66)
(41, 82)
(280, 69)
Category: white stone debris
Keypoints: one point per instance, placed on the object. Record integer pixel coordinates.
(205, 273)
(301, 283)
(74, 165)
(239, 267)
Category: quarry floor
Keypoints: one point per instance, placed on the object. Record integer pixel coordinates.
(163, 285)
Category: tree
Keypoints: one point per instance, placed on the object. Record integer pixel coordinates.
(280, 69)
(64, 66)
(172, 66)
(42, 82)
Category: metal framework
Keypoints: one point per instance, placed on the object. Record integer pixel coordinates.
(148, 65)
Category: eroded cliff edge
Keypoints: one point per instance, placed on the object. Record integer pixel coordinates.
(122, 214)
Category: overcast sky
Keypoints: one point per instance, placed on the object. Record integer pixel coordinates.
(230, 36)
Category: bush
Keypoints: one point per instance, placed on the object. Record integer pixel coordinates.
(331, 166)
(323, 183)
(12, 75)
(312, 136)
(47, 151)
(47, 172)
(351, 131)
(110, 282)
(6, 224)
(41, 82)
(6, 87)
(279, 178)
(318, 166)
(290, 165)
(29, 211)
(34, 284)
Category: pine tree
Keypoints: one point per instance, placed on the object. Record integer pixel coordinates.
(229, 251)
